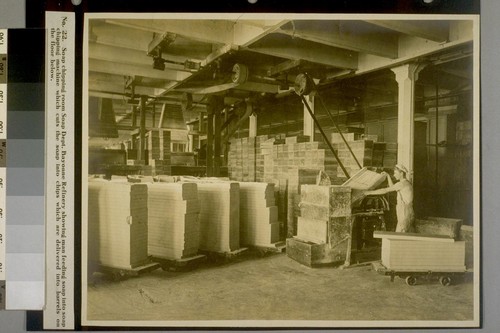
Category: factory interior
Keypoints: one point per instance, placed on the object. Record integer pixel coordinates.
(229, 159)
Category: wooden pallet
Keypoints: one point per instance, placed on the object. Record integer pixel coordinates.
(277, 247)
(224, 256)
(121, 273)
(182, 264)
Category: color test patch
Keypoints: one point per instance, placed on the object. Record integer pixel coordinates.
(24, 180)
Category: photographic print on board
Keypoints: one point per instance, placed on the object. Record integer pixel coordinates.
(228, 159)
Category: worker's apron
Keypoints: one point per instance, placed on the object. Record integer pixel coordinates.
(405, 215)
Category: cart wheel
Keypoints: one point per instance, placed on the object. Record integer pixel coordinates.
(411, 280)
(445, 280)
(117, 276)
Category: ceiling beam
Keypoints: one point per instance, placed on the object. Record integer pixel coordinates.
(139, 40)
(102, 94)
(105, 77)
(371, 63)
(120, 89)
(462, 74)
(126, 56)
(207, 31)
(121, 36)
(247, 32)
(247, 86)
(111, 67)
(437, 31)
(295, 49)
(381, 45)
(284, 67)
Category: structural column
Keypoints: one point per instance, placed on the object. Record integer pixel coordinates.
(142, 131)
(406, 76)
(218, 136)
(252, 129)
(308, 128)
(210, 140)
(214, 108)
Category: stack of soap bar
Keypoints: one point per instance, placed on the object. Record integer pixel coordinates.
(174, 230)
(118, 223)
(258, 214)
(219, 216)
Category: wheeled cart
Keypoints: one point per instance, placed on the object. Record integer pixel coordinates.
(412, 256)
(446, 278)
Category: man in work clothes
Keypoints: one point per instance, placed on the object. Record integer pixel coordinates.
(404, 189)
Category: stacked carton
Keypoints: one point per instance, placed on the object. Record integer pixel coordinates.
(367, 149)
(258, 214)
(261, 147)
(174, 230)
(158, 145)
(287, 162)
(390, 155)
(118, 223)
(267, 159)
(300, 154)
(241, 159)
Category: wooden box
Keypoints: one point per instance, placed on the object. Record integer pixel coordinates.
(328, 201)
(312, 230)
(413, 253)
(311, 254)
(439, 226)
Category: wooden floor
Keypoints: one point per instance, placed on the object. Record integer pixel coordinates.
(274, 287)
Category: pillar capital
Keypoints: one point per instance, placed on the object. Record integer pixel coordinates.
(408, 71)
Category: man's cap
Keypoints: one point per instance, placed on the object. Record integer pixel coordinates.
(401, 167)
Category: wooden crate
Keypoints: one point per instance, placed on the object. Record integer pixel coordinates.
(312, 230)
(311, 254)
(439, 226)
(335, 200)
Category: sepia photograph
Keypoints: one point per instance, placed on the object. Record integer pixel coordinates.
(280, 170)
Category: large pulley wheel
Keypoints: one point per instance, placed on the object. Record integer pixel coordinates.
(303, 84)
(240, 73)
